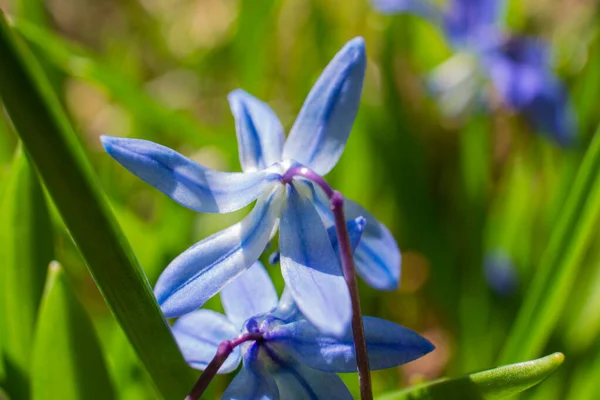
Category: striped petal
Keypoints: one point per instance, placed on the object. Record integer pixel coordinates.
(259, 132)
(377, 256)
(299, 382)
(388, 345)
(185, 181)
(250, 294)
(252, 384)
(310, 267)
(321, 130)
(204, 269)
(199, 334)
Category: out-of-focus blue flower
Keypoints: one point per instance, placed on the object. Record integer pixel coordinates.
(500, 273)
(294, 359)
(518, 67)
(309, 263)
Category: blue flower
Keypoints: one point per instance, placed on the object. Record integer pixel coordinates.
(308, 260)
(518, 67)
(290, 358)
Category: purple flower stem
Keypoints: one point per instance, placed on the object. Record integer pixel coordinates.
(223, 351)
(337, 207)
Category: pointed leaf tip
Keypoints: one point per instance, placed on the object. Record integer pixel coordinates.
(498, 383)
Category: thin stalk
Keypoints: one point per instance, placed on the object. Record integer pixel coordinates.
(337, 207)
(223, 351)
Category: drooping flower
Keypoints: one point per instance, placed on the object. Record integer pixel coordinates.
(289, 358)
(518, 67)
(309, 264)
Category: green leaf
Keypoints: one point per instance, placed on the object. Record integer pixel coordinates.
(27, 248)
(497, 383)
(69, 178)
(67, 359)
(559, 265)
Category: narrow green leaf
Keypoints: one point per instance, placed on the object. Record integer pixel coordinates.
(68, 176)
(554, 278)
(27, 248)
(67, 359)
(493, 384)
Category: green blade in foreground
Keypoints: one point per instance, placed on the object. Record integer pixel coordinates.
(27, 248)
(493, 384)
(67, 359)
(553, 280)
(68, 176)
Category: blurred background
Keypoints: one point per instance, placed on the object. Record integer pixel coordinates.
(472, 198)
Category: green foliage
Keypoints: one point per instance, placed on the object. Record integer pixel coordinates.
(27, 248)
(559, 266)
(67, 360)
(494, 384)
(70, 180)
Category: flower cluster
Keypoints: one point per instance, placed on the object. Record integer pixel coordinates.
(309, 264)
(284, 356)
(292, 349)
(517, 66)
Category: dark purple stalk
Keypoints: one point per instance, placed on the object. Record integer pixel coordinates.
(337, 207)
(223, 351)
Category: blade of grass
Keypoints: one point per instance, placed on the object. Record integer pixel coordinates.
(553, 280)
(53, 147)
(493, 384)
(27, 248)
(67, 360)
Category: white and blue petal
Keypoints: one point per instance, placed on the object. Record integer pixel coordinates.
(318, 137)
(299, 382)
(310, 267)
(377, 256)
(204, 269)
(185, 181)
(250, 294)
(388, 345)
(253, 382)
(355, 227)
(199, 334)
(259, 132)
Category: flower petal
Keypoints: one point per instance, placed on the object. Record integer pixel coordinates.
(250, 294)
(259, 132)
(355, 227)
(252, 384)
(422, 8)
(321, 130)
(377, 256)
(310, 267)
(388, 345)
(298, 382)
(199, 334)
(185, 181)
(287, 310)
(204, 269)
